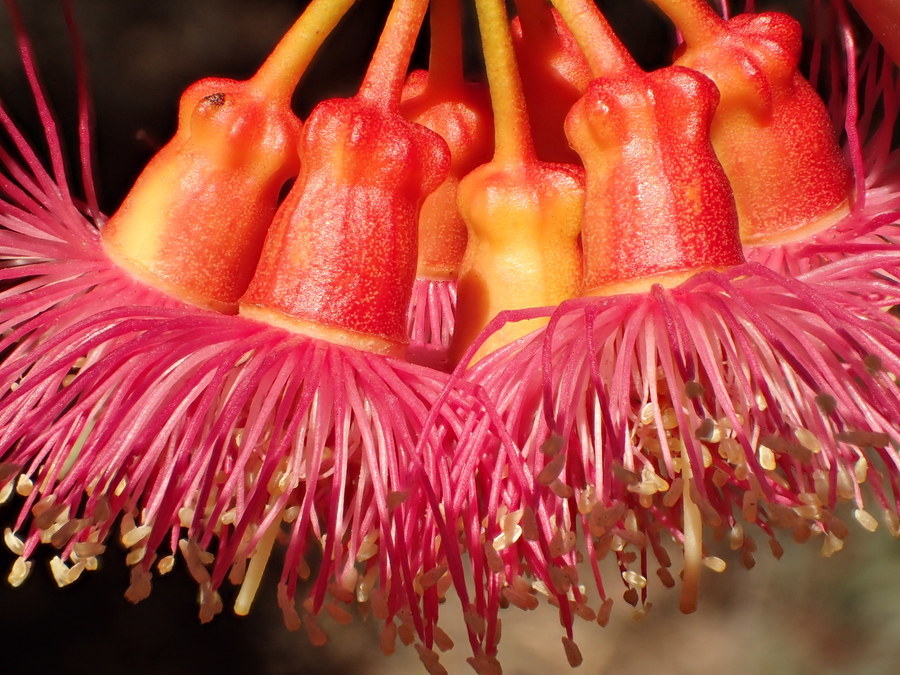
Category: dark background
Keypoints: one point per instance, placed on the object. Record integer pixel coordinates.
(801, 615)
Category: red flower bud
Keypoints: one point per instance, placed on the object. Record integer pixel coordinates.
(771, 131)
(340, 258)
(658, 204)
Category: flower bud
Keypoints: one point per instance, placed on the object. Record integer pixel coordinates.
(523, 251)
(771, 132)
(340, 258)
(658, 204)
(195, 220)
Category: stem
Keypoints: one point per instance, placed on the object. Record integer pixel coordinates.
(512, 132)
(445, 66)
(279, 75)
(605, 53)
(384, 79)
(695, 19)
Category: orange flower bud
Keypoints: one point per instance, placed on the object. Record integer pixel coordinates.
(195, 220)
(523, 251)
(194, 223)
(523, 215)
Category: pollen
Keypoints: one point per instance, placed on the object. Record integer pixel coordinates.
(24, 485)
(13, 543)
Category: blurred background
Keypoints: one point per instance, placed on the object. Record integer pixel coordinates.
(800, 615)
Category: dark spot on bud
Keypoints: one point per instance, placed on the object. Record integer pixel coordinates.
(215, 99)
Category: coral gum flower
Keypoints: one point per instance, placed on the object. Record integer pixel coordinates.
(523, 215)
(771, 132)
(738, 402)
(194, 223)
